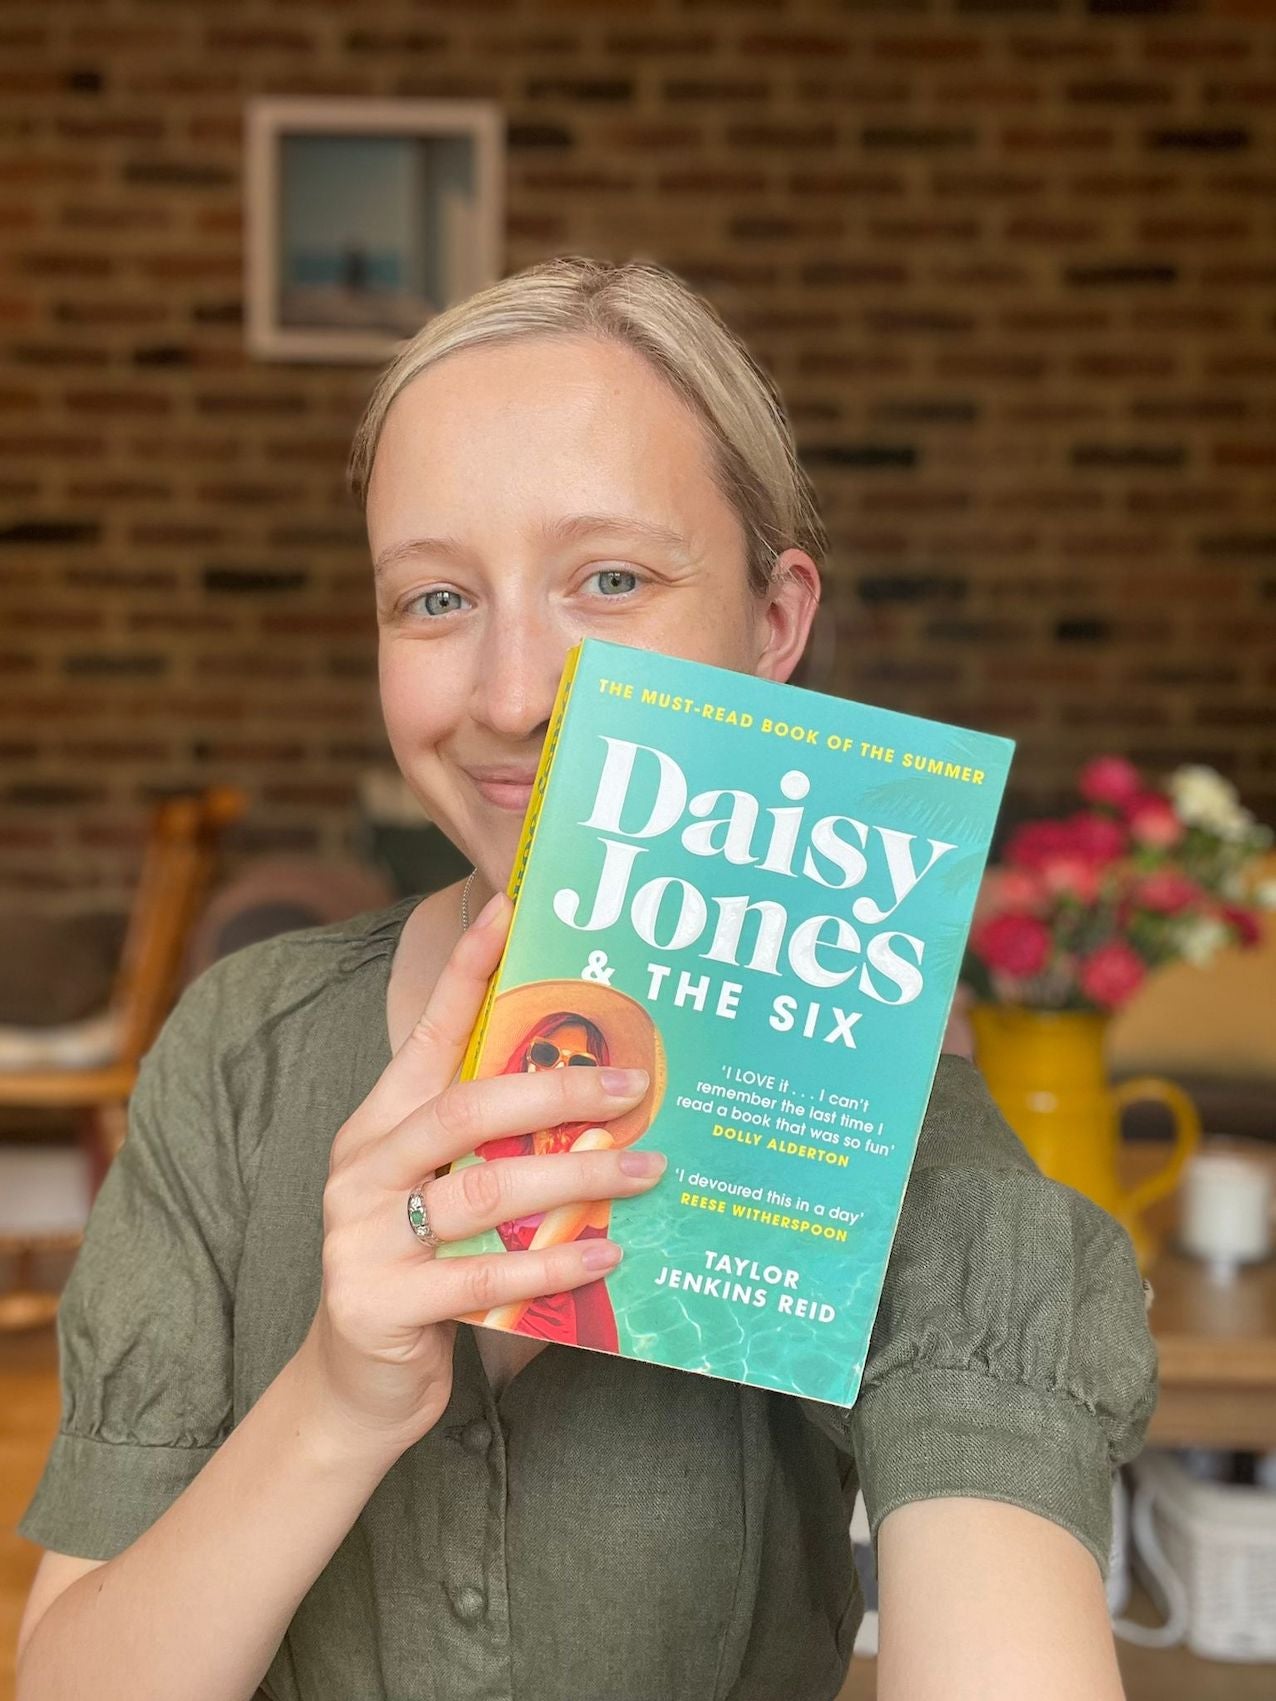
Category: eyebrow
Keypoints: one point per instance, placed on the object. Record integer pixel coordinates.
(569, 528)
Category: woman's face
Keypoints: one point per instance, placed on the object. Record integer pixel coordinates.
(524, 496)
(571, 1040)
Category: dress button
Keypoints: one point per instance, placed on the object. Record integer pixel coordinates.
(468, 1602)
(476, 1437)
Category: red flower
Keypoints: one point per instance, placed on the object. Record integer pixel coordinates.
(1248, 929)
(1152, 821)
(1111, 975)
(1111, 780)
(1016, 945)
(1034, 843)
(1097, 838)
(1167, 891)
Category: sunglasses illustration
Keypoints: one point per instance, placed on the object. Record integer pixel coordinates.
(546, 1055)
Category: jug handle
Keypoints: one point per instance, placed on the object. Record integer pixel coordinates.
(1187, 1134)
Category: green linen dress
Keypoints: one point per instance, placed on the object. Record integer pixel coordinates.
(606, 1529)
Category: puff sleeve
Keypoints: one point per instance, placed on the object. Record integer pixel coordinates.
(145, 1321)
(1011, 1357)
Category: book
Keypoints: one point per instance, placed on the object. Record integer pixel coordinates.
(761, 894)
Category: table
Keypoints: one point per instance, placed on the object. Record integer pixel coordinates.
(1216, 1339)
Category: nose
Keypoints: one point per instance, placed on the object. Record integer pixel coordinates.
(517, 678)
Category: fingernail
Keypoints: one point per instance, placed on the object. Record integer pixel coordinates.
(623, 1083)
(642, 1163)
(601, 1255)
(491, 909)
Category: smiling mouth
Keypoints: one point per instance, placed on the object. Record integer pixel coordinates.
(506, 791)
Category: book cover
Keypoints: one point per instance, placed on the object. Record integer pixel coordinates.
(760, 894)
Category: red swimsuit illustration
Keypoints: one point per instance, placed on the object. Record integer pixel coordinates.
(583, 1317)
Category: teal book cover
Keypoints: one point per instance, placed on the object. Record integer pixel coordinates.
(761, 894)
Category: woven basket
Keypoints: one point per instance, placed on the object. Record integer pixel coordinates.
(1209, 1552)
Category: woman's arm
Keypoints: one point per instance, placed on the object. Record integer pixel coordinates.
(557, 1228)
(984, 1601)
(230, 1560)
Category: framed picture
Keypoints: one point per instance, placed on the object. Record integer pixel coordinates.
(364, 218)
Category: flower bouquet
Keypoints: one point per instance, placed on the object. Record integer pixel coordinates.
(1081, 908)
(1067, 927)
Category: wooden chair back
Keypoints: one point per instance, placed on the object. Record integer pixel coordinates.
(177, 866)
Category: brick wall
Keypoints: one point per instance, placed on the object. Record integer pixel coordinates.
(1012, 261)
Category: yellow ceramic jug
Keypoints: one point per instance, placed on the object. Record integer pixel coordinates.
(1045, 1069)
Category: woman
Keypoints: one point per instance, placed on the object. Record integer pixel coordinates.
(292, 1469)
(583, 1316)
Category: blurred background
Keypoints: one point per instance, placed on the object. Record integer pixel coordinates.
(1012, 264)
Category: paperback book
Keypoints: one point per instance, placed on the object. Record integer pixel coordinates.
(761, 895)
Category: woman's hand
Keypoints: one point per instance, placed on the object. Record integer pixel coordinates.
(378, 1355)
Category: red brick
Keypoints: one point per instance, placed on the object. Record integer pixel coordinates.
(1124, 185)
(777, 45)
(1053, 230)
(928, 49)
(1182, 228)
(1058, 138)
(1244, 454)
(980, 93)
(133, 402)
(1196, 49)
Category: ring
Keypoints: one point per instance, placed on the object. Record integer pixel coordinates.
(419, 1217)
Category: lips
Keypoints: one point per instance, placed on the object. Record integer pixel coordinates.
(506, 787)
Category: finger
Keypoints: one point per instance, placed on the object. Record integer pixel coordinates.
(478, 1197)
(468, 1113)
(445, 1288)
(430, 1055)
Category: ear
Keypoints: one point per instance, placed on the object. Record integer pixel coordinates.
(785, 613)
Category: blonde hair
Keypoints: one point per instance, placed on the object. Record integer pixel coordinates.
(649, 309)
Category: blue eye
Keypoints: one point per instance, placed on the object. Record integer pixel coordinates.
(608, 579)
(432, 609)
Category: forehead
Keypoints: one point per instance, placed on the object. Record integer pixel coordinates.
(539, 425)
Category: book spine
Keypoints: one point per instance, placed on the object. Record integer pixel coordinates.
(527, 839)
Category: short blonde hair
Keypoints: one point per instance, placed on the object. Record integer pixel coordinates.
(649, 309)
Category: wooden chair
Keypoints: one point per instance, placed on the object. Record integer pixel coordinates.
(177, 867)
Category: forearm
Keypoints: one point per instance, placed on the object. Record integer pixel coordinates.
(984, 1601)
(196, 1607)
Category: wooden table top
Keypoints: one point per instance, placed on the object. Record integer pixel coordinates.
(1216, 1338)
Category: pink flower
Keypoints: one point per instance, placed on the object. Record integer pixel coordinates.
(1097, 838)
(1249, 931)
(1111, 975)
(1072, 877)
(1109, 779)
(1017, 889)
(1152, 821)
(1017, 945)
(1167, 891)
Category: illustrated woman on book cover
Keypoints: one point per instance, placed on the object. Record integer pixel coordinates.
(296, 1469)
(595, 1027)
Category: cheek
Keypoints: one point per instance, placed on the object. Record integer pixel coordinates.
(719, 633)
(416, 703)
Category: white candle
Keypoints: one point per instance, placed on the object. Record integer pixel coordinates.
(1226, 1208)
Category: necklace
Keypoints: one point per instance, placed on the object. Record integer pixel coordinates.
(465, 900)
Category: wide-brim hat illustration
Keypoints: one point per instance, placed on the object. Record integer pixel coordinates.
(633, 1039)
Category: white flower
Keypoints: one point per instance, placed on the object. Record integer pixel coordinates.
(1201, 938)
(1203, 798)
(1265, 895)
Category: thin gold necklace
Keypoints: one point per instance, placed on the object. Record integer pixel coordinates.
(465, 900)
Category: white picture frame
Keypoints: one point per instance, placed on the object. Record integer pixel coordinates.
(365, 218)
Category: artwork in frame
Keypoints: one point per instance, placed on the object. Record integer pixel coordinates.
(365, 218)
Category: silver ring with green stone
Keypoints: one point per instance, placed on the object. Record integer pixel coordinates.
(419, 1217)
